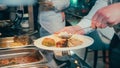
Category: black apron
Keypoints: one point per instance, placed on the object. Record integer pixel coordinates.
(114, 52)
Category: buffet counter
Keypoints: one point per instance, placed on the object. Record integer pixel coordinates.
(31, 56)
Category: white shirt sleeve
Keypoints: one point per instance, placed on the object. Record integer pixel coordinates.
(86, 21)
(60, 4)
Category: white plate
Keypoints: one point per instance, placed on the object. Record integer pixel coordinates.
(87, 41)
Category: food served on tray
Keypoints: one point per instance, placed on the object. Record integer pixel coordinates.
(48, 42)
(18, 60)
(14, 41)
(24, 40)
(20, 56)
(62, 40)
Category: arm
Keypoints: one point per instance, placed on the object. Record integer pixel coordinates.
(86, 21)
(107, 16)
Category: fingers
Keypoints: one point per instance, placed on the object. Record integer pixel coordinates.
(56, 32)
(62, 30)
(65, 29)
(94, 22)
(104, 24)
(71, 30)
(99, 20)
(111, 22)
(81, 32)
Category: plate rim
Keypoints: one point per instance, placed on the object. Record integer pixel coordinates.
(63, 49)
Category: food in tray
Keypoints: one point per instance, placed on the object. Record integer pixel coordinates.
(19, 60)
(48, 42)
(15, 57)
(14, 41)
(59, 41)
(24, 40)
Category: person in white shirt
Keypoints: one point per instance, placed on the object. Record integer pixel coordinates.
(51, 17)
(86, 22)
(110, 16)
(106, 15)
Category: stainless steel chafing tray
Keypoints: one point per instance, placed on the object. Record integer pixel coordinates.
(32, 66)
(15, 42)
(21, 57)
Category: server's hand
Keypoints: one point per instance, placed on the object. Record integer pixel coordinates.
(107, 16)
(72, 30)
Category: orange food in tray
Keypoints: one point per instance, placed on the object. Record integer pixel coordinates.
(18, 60)
(16, 41)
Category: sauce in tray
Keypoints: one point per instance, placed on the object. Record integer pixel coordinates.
(20, 56)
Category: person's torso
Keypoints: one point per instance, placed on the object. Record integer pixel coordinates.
(51, 21)
(50, 17)
(116, 27)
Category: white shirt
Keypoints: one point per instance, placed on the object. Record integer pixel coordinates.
(86, 21)
(52, 21)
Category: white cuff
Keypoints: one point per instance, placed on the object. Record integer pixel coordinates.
(84, 23)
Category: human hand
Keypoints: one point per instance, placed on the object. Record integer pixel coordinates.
(107, 16)
(72, 30)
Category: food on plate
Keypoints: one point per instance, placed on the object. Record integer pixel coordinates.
(74, 42)
(64, 35)
(62, 43)
(48, 42)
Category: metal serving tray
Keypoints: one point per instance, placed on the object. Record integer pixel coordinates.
(31, 66)
(8, 42)
(21, 57)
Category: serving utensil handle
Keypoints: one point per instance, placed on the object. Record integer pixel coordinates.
(87, 30)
